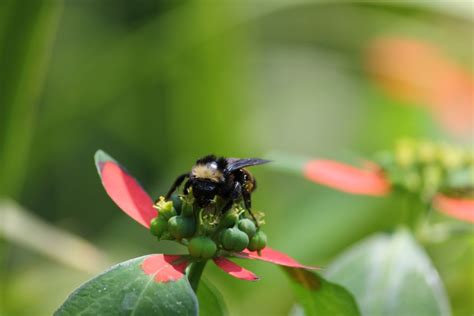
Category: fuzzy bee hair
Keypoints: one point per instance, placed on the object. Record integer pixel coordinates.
(210, 168)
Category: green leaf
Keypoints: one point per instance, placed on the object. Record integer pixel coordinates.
(211, 302)
(391, 275)
(319, 296)
(27, 32)
(126, 290)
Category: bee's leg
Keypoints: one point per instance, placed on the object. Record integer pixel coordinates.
(232, 192)
(176, 184)
(236, 191)
(187, 185)
(227, 206)
(248, 205)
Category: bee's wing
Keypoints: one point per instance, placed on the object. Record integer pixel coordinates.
(238, 163)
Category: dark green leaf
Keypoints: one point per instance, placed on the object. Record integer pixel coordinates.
(211, 302)
(126, 290)
(391, 275)
(320, 297)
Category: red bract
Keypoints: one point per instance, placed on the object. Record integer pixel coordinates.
(346, 178)
(136, 203)
(371, 181)
(234, 269)
(462, 209)
(124, 190)
(273, 256)
(165, 268)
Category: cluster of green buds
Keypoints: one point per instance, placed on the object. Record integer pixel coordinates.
(426, 168)
(207, 232)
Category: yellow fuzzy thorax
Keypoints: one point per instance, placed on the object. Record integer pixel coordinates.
(206, 172)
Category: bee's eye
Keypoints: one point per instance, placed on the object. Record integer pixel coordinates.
(213, 165)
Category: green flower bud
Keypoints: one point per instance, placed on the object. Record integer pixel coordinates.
(165, 208)
(187, 209)
(177, 202)
(168, 213)
(158, 226)
(234, 239)
(248, 227)
(202, 247)
(220, 235)
(258, 242)
(229, 219)
(181, 227)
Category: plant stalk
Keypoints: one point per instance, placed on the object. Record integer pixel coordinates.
(195, 273)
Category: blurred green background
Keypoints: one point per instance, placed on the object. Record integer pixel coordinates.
(158, 84)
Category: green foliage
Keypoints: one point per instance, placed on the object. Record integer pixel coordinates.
(391, 275)
(126, 290)
(27, 30)
(211, 302)
(318, 296)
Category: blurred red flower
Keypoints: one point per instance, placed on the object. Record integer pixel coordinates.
(414, 71)
(372, 181)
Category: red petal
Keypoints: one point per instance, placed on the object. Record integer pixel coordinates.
(346, 178)
(462, 209)
(125, 190)
(165, 268)
(270, 255)
(235, 270)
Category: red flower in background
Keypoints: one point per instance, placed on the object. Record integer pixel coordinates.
(129, 196)
(346, 178)
(372, 181)
(414, 71)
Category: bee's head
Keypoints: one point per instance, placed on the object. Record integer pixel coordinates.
(204, 191)
(206, 177)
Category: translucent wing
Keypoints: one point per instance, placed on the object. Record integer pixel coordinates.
(237, 163)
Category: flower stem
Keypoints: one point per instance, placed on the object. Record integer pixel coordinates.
(412, 210)
(195, 272)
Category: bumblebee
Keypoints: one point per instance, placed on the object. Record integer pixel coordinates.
(224, 177)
